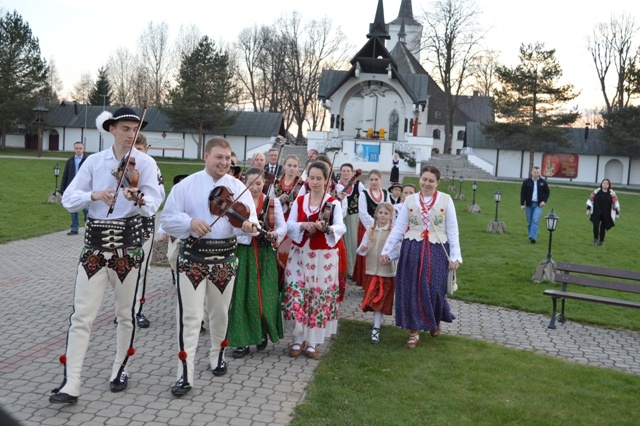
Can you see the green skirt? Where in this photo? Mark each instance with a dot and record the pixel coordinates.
(251, 297)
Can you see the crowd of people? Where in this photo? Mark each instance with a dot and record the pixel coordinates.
(256, 253)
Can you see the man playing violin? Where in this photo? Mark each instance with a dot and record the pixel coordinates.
(207, 261)
(112, 250)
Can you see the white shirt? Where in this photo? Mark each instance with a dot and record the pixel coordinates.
(96, 175)
(363, 212)
(189, 199)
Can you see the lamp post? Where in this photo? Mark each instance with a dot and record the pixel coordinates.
(40, 112)
(496, 226)
(546, 270)
(452, 187)
(552, 222)
(474, 208)
(56, 173)
(460, 195)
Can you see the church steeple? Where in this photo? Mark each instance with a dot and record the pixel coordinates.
(406, 10)
(378, 28)
(401, 34)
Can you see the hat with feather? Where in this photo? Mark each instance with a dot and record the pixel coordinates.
(106, 119)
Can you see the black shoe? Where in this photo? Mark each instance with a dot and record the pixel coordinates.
(72, 232)
(180, 388)
(262, 346)
(240, 352)
(221, 369)
(115, 320)
(63, 398)
(375, 335)
(142, 321)
(533, 240)
(119, 384)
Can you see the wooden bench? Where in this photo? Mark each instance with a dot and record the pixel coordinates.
(595, 277)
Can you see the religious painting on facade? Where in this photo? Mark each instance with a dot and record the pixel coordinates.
(369, 152)
(560, 165)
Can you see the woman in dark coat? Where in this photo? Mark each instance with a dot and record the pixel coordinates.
(604, 209)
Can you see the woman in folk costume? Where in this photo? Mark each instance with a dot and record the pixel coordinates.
(428, 228)
(315, 226)
(286, 187)
(367, 204)
(604, 208)
(336, 190)
(254, 316)
(379, 285)
(351, 219)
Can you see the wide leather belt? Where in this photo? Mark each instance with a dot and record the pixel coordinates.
(113, 234)
(205, 250)
(148, 226)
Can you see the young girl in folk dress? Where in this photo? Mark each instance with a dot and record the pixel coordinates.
(312, 266)
(367, 203)
(380, 279)
(428, 228)
(254, 314)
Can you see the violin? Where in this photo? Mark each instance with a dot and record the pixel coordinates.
(351, 181)
(129, 178)
(293, 194)
(267, 219)
(269, 180)
(326, 215)
(222, 203)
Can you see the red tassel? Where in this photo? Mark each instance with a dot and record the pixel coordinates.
(224, 344)
(63, 359)
(131, 352)
(182, 355)
(142, 300)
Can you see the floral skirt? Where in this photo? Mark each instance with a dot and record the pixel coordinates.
(311, 291)
(421, 286)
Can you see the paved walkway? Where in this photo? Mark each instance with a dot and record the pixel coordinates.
(36, 285)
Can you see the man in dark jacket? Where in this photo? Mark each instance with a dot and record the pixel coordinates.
(533, 196)
(70, 170)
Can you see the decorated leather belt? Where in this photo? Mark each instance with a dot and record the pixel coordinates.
(148, 226)
(113, 234)
(205, 250)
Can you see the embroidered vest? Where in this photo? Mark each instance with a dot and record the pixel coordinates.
(318, 240)
(371, 205)
(377, 238)
(352, 199)
(437, 216)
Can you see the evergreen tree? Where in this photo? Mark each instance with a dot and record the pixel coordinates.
(23, 74)
(622, 130)
(529, 101)
(204, 91)
(101, 92)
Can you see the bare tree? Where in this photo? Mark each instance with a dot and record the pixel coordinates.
(611, 45)
(82, 89)
(250, 50)
(452, 41)
(156, 61)
(122, 68)
(483, 72)
(188, 38)
(55, 82)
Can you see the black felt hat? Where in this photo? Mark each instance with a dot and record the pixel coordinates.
(106, 119)
(395, 185)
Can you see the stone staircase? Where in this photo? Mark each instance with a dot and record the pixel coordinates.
(452, 166)
(299, 151)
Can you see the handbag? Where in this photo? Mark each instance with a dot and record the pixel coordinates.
(452, 284)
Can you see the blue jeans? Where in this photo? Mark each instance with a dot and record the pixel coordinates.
(534, 213)
(74, 219)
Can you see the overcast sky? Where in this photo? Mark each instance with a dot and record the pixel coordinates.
(81, 34)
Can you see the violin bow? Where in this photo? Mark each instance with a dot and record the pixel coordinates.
(126, 165)
(326, 189)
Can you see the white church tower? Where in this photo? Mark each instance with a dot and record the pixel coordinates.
(412, 33)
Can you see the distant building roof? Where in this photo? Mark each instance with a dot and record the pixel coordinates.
(581, 142)
(248, 123)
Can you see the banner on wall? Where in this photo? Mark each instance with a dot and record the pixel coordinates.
(369, 152)
(559, 165)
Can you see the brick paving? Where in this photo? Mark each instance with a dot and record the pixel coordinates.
(263, 388)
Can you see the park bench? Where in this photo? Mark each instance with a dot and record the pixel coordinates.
(595, 277)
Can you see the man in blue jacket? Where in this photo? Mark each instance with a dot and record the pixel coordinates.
(533, 196)
(70, 169)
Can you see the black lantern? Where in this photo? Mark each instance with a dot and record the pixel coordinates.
(56, 173)
(460, 195)
(461, 179)
(552, 223)
(496, 197)
(474, 187)
(40, 112)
